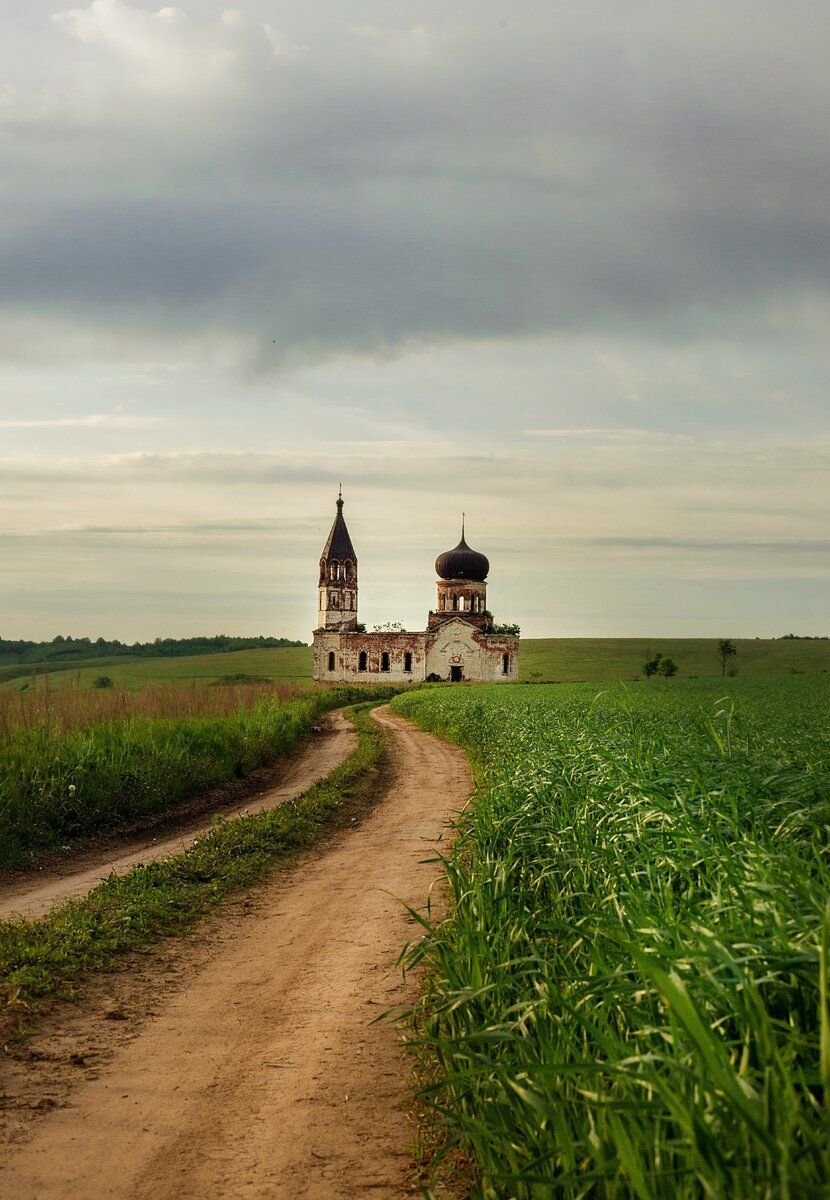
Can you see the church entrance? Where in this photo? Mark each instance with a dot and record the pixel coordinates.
(456, 674)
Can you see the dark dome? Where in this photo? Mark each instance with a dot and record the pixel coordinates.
(462, 563)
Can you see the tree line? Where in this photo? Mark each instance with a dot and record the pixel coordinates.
(63, 647)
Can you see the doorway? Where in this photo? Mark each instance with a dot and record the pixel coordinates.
(456, 674)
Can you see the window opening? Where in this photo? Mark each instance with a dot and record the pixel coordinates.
(384, 661)
(361, 661)
(331, 660)
(407, 660)
(505, 664)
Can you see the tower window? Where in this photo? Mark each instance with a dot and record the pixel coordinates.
(505, 664)
(455, 604)
(407, 660)
(331, 660)
(460, 603)
(384, 661)
(361, 661)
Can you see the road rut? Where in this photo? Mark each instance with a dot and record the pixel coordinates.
(262, 1075)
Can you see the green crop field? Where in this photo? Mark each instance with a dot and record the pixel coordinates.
(629, 997)
(542, 660)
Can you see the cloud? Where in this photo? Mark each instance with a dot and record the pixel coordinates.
(166, 51)
(354, 182)
(93, 421)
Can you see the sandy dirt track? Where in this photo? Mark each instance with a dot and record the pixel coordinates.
(260, 1074)
(34, 894)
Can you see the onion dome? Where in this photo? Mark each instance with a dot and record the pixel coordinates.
(462, 563)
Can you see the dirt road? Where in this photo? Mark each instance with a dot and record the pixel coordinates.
(260, 1074)
(34, 894)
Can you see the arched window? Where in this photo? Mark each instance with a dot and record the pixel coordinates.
(407, 660)
(335, 600)
(460, 603)
(384, 661)
(442, 600)
(455, 604)
(332, 660)
(361, 661)
(333, 571)
(505, 664)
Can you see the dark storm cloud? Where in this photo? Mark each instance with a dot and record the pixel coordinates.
(338, 184)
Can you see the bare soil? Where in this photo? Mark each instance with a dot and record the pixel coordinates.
(245, 1062)
(32, 893)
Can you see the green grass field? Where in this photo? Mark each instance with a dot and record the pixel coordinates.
(629, 998)
(542, 660)
(566, 660)
(287, 665)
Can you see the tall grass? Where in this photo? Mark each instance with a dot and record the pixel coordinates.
(75, 763)
(69, 708)
(629, 998)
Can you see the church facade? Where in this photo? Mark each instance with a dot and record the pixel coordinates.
(459, 643)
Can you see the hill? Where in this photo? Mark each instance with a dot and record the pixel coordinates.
(569, 660)
(542, 660)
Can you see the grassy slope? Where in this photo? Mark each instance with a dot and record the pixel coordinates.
(542, 660)
(290, 664)
(598, 659)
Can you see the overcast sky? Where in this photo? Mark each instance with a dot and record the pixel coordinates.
(561, 265)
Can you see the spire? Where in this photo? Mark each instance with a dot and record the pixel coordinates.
(339, 544)
(463, 516)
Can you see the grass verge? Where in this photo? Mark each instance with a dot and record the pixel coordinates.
(49, 956)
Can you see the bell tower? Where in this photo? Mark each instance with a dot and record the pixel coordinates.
(337, 586)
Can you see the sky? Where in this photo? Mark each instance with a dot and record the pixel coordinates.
(562, 266)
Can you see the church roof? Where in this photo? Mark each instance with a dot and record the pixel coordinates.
(339, 544)
(462, 562)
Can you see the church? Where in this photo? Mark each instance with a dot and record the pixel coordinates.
(459, 643)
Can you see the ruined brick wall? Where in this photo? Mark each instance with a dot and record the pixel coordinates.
(387, 656)
(479, 656)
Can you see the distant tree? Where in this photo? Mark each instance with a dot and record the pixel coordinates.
(668, 667)
(652, 665)
(726, 650)
(389, 627)
(103, 681)
(513, 630)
